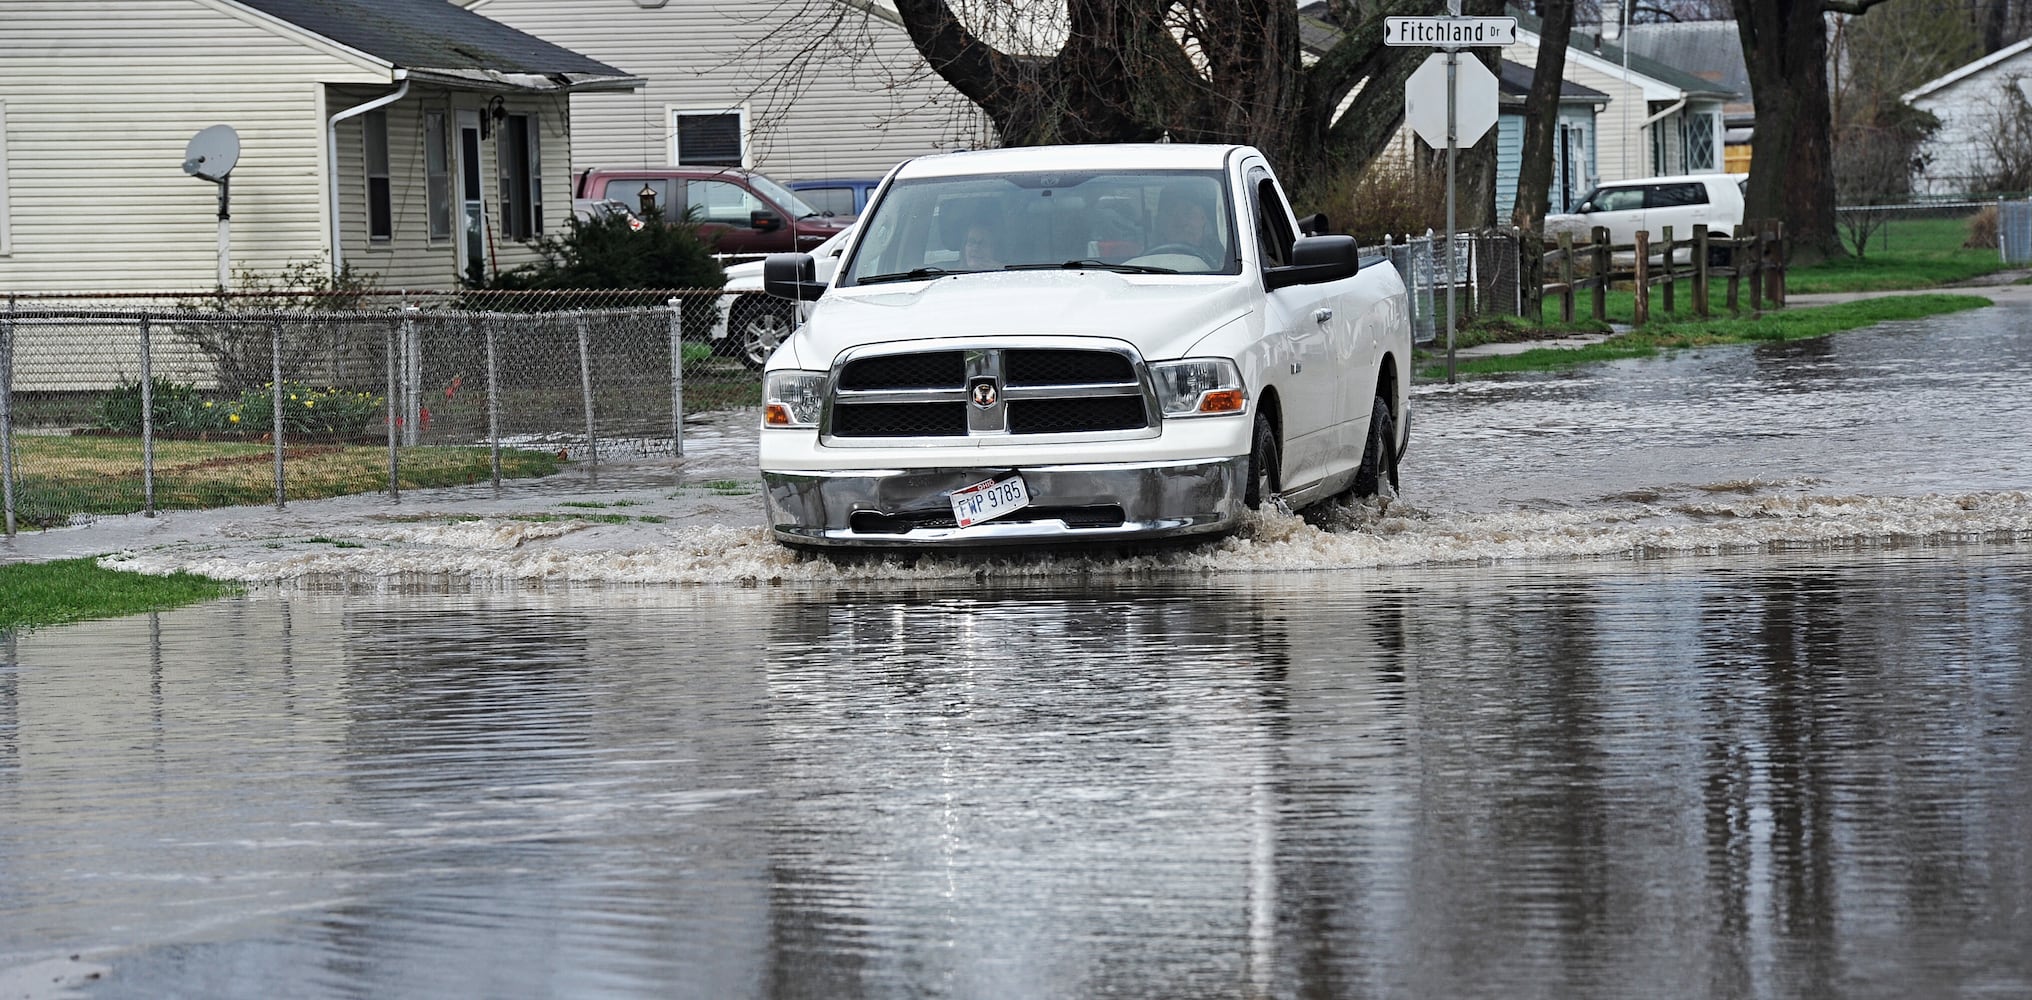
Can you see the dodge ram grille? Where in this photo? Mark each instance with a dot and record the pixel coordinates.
(988, 391)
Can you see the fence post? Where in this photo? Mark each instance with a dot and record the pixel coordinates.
(1566, 277)
(1671, 269)
(1700, 255)
(1640, 281)
(1757, 272)
(1735, 271)
(1775, 290)
(677, 376)
(493, 402)
(1602, 259)
(275, 365)
(586, 389)
(147, 424)
(412, 375)
(7, 414)
(390, 400)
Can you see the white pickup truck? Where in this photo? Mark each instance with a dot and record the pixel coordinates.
(1057, 344)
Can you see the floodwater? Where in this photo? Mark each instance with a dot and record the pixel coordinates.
(1694, 677)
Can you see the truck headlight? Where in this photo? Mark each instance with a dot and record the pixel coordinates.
(792, 398)
(1199, 388)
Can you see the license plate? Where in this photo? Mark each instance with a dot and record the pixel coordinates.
(989, 499)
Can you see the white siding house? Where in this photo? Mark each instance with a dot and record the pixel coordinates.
(1657, 120)
(1573, 139)
(1982, 108)
(795, 90)
(360, 128)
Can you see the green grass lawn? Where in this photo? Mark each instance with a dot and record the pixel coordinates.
(1650, 340)
(59, 476)
(1914, 253)
(73, 590)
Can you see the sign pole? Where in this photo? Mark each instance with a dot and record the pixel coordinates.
(1452, 123)
(1446, 79)
(1452, 145)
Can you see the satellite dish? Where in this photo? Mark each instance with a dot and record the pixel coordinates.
(212, 153)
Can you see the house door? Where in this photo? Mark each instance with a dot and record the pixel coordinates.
(1573, 172)
(472, 201)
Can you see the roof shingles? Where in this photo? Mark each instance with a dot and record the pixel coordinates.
(432, 35)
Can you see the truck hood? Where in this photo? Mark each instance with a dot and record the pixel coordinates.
(1160, 315)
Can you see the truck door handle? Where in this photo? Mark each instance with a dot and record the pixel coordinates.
(1322, 314)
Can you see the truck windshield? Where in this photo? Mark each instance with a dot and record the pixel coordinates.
(1150, 222)
(797, 207)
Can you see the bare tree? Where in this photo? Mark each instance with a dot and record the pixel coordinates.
(1190, 70)
(2007, 139)
(1872, 168)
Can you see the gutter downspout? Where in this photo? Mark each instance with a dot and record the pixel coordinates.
(332, 153)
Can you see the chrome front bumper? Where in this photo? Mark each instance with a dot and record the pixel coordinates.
(908, 508)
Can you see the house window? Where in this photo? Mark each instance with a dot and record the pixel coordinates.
(380, 203)
(437, 169)
(6, 234)
(521, 178)
(1700, 144)
(711, 139)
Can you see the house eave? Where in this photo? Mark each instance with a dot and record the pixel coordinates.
(495, 80)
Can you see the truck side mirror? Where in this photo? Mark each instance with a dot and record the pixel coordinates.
(792, 276)
(1315, 260)
(764, 221)
(1313, 225)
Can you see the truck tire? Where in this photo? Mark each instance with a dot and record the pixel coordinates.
(1379, 458)
(1263, 466)
(755, 325)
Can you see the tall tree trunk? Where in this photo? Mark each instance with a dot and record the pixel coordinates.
(1534, 169)
(1791, 157)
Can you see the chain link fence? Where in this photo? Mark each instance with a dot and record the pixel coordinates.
(130, 404)
(1486, 274)
(116, 404)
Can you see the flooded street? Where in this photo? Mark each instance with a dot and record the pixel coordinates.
(1701, 677)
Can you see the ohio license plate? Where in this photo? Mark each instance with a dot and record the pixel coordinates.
(989, 499)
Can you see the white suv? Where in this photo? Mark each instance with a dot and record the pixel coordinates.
(1652, 203)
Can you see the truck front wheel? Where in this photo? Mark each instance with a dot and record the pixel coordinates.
(1379, 459)
(1263, 471)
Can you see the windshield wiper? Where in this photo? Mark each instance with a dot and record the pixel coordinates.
(914, 274)
(1090, 264)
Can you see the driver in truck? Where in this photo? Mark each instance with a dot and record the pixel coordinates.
(1184, 221)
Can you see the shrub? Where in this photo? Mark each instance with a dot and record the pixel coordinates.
(181, 410)
(242, 352)
(176, 408)
(1982, 229)
(612, 252)
(307, 411)
(1384, 200)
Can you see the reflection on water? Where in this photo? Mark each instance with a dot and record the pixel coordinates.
(1749, 778)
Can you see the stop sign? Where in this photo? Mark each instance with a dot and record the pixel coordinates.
(1474, 97)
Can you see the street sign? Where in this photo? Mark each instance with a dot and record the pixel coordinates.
(1474, 101)
(1450, 32)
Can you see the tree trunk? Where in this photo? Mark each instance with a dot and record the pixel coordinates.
(1791, 157)
(1541, 131)
(1534, 169)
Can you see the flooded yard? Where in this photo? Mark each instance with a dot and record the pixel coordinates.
(1695, 677)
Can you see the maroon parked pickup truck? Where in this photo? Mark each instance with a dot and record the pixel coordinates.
(743, 212)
